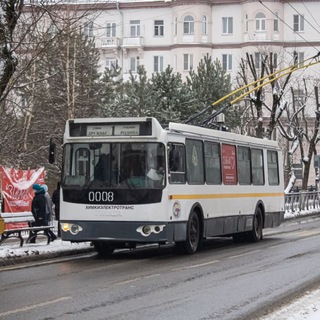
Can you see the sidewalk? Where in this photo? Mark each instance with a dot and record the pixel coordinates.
(11, 253)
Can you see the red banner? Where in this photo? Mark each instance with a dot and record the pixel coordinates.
(17, 192)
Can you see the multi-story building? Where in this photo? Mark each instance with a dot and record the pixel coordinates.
(158, 33)
(180, 33)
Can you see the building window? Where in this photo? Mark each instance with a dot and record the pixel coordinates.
(276, 23)
(227, 62)
(260, 22)
(111, 64)
(134, 63)
(275, 59)
(134, 28)
(187, 62)
(298, 22)
(175, 26)
(158, 28)
(204, 25)
(111, 30)
(298, 58)
(52, 31)
(246, 24)
(158, 63)
(258, 60)
(298, 96)
(88, 29)
(227, 25)
(188, 25)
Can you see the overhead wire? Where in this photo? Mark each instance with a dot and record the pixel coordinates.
(298, 33)
(311, 14)
(272, 77)
(303, 17)
(280, 73)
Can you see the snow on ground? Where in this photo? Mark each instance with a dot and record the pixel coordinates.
(305, 308)
(11, 250)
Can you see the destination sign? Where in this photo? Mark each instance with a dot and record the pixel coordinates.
(108, 129)
(113, 130)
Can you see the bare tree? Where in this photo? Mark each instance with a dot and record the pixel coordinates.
(29, 30)
(302, 131)
(257, 104)
(9, 15)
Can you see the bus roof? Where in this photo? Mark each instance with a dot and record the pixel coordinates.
(154, 129)
(226, 136)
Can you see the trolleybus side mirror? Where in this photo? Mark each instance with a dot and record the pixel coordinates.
(52, 152)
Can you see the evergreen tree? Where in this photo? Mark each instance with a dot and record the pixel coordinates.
(171, 97)
(111, 87)
(137, 97)
(208, 84)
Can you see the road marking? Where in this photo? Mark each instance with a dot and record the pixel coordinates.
(243, 254)
(34, 306)
(196, 265)
(130, 281)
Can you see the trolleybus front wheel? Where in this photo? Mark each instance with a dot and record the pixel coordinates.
(193, 238)
(104, 249)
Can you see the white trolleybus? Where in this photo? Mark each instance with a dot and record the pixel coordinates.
(129, 181)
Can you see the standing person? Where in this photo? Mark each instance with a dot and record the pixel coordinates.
(39, 211)
(56, 201)
(49, 205)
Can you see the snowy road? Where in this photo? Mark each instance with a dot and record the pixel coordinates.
(224, 281)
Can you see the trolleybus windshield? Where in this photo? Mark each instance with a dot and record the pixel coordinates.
(114, 165)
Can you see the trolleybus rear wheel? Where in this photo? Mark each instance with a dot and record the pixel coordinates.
(256, 233)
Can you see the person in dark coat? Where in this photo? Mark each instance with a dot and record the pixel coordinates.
(39, 211)
(102, 168)
(56, 201)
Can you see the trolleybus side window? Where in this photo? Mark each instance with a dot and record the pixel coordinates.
(244, 165)
(257, 167)
(177, 160)
(195, 161)
(229, 165)
(273, 167)
(212, 162)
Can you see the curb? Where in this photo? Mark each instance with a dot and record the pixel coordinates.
(35, 255)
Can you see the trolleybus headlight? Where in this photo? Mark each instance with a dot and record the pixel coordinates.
(73, 228)
(65, 227)
(148, 229)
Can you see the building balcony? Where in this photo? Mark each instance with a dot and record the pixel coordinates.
(132, 43)
(108, 43)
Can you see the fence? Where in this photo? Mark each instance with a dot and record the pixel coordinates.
(304, 201)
